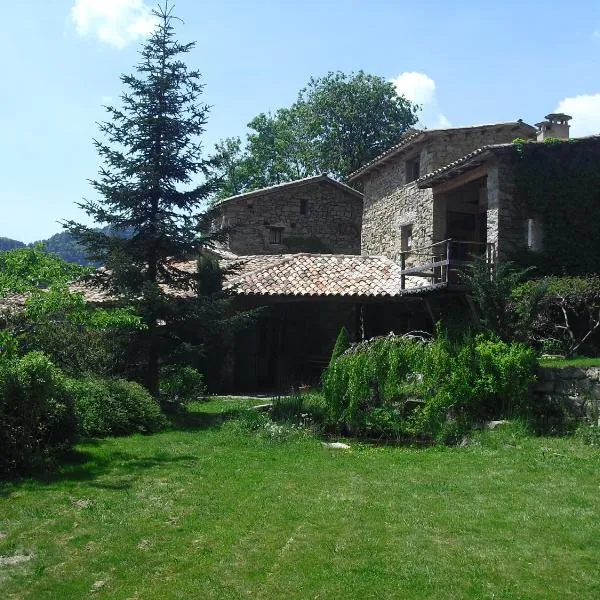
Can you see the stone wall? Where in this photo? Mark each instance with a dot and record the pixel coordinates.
(331, 223)
(576, 389)
(506, 224)
(390, 203)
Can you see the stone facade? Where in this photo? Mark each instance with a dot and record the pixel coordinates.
(391, 203)
(574, 389)
(313, 215)
(506, 216)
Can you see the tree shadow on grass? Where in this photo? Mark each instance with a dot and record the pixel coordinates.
(113, 470)
(196, 421)
(84, 464)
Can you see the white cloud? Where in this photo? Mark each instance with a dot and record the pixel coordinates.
(585, 110)
(115, 22)
(420, 89)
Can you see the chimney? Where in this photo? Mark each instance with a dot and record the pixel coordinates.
(556, 125)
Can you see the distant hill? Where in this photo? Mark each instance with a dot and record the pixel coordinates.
(62, 244)
(8, 244)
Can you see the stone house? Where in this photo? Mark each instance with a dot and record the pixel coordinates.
(517, 220)
(315, 214)
(400, 215)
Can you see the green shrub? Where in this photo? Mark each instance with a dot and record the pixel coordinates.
(397, 386)
(114, 407)
(180, 385)
(342, 343)
(37, 420)
(287, 408)
(567, 318)
(314, 406)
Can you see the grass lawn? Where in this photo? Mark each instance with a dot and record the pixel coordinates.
(559, 363)
(213, 512)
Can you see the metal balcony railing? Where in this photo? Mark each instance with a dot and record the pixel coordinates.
(441, 262)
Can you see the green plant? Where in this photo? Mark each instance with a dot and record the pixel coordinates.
(558, 182)
(37, 420)
(287, 408)
(431, 390)
(342, 343)
(491, 288)
(8, 345)
(114, 407)
(180, 385)
(568, 317)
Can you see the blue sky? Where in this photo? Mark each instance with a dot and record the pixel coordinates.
(467, 62)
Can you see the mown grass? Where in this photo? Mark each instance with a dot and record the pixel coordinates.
(213, 512)
(559, 363)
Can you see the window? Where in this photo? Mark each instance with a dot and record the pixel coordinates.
(534, 235)
(406, 237)
(412, 169)
(303, 206)
(274, 235)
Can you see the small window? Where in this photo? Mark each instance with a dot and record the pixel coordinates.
(534, 235)
(303, 206)
(406, 235)
(274, 235)
(413, 169)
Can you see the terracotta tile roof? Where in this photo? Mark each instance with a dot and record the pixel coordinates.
(287, 275)
(292, 184)
(413, 136)
(321, 275)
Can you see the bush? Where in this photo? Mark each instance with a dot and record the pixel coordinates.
(567, 320)
(287, 408)
(180, 385)
(114, 407)
(398, 386)
(37, 420)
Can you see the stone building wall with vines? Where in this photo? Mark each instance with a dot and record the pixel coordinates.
(558, 184)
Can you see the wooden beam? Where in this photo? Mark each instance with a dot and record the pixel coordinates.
(462, 179)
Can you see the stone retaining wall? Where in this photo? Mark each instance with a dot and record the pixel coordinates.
(577, 389)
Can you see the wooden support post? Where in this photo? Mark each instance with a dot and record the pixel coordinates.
(430, 312)
(402, 267)
(362, 322)
(448, 256)
(471, 304)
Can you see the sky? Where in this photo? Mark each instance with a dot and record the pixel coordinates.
(465, 62)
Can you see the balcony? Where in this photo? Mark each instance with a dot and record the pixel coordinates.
(442, 262)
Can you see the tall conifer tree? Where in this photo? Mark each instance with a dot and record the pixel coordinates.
(152, 163)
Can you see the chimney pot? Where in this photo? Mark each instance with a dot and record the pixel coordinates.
(556, 125)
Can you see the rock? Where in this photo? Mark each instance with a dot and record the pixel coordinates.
(494, 424)
(335, 445)
(544, 387)
(263, 407)
(14, 560)
(97, 585)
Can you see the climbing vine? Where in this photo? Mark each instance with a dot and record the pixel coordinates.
(560, 183)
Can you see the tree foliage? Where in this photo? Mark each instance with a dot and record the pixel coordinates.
(338, 123)
(567, 320)
(153, 182)
(26, 269)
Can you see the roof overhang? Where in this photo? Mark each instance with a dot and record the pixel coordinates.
(288, 185)
(416, 137)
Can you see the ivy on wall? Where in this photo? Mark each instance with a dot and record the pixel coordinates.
(559, 181)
